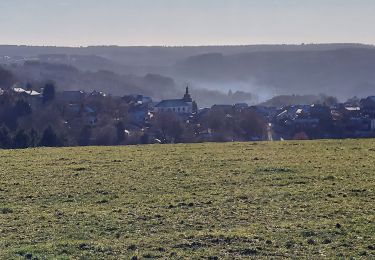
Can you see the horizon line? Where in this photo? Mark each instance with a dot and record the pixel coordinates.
(189, 46)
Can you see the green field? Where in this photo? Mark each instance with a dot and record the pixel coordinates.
(311, 199)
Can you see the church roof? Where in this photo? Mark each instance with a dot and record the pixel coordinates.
(173, 103)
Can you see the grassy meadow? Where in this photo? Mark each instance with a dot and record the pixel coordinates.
(312, 199)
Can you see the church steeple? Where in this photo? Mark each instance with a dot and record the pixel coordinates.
(187, 97)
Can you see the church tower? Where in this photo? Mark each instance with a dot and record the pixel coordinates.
(187, 97)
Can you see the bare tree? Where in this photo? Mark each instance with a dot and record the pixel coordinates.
(169, 126)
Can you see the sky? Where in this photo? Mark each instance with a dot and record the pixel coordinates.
(185, 22)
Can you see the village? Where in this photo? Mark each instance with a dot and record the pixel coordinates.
(78, 118)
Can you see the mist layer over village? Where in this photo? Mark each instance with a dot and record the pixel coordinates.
(262, 71)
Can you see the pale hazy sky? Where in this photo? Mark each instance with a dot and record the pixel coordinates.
(185, 22)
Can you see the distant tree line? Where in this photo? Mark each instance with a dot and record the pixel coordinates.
(50, 125)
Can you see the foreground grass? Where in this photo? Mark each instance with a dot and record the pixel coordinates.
(290, 199)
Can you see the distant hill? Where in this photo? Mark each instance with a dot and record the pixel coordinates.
(68, 77)
(161, 56)
(342, 70)
(6, 78)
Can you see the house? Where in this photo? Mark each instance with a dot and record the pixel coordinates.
(85, 114)
(320, 111)
(179, 106)
(266, 112)
(240, 106)
(225, 108)
(73, 96)
(138, 115)
(97, 94)
(24, 92)
(291, 113)
(202, 112)
(146, 100)
(34, 98)
(140, 99)
(346, 112)
(78, 109)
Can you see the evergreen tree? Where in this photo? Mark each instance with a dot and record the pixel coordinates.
(5, 138)
(29, 87)
(6, 78)
(22, 108)
(49, 93)
(34, 138)
(21, 140)
(194, 107)
(49, 138)
(144, 139)
(85, 136)
(120, 131)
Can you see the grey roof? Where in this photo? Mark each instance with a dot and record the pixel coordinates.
(222, 106)
(73, 95)
(241, 105)
(173, 103)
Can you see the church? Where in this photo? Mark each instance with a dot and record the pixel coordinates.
(179, 106)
